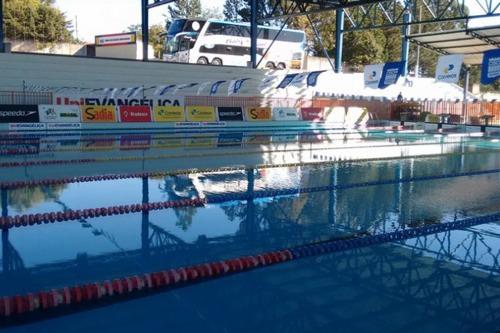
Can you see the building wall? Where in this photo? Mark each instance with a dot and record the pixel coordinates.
(63, 71)
(59, 48)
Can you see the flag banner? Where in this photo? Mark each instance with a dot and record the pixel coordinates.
(299, 79)
(312, 78)
(490, 70)
(164, 89)
(184, 86)
(215, 87)
(267, 82)
(287, 80)
(391, 73)
(448, 68)
(202, 87)
(373, 73)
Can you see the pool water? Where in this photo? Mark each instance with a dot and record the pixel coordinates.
(264, 191)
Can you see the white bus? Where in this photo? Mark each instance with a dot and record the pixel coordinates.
(227, 43)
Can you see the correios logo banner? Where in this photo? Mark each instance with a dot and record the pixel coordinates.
(373, 74)
(230, 113)
(448, 68)
(98, 114)
(135, 114)
(94, 100)
(169, 114)
(59, 113)
(258, 114)
(201, 113)
(283, 113)
(490, 71)
(19, 113)
(312, 114)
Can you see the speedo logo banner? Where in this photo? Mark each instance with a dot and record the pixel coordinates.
(448, 68)
(166, 100)
(19, 113)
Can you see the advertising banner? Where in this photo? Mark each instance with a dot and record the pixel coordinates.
(373, 73)
(285, 114)
(63, 126)
(116, 39)
(230, 113)
(230, 140)
(135, 114)
(391, 73)
(201, 113)
(98, 114)
(19, 113)
(105, 100)
(448, 68)
(258, 114)
(490, 70)
(312, 114)
(169, 114)
(131, 142)
(59, 113)
(27, 126)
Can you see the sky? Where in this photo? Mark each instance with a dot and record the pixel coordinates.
(100, 17)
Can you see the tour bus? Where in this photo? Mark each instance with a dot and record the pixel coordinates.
(227, 43)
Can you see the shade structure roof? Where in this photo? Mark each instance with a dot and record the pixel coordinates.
(470, 42)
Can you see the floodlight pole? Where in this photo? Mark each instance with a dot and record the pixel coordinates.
(405, 47)
(253, 33)
(145, 29)
(2, 48)
(339, 38)
(466, 90)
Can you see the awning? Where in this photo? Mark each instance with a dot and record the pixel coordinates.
(470, 42)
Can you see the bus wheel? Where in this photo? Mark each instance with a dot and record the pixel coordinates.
(281, 65)
(202, 61)
(270, 65)
(217, 62)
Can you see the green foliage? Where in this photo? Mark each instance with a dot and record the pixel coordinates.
(185, 9)
(156, 37)
(36, 20)
(232, 8)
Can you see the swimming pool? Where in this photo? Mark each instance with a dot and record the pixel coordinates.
(150, 202)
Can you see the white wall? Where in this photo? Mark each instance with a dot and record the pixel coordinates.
(61, 71)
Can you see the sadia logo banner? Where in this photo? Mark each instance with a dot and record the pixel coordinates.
(373, 74)
(391, 73)
(448, 68)
(490, 70)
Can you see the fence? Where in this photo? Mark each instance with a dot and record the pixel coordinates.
(21, 97)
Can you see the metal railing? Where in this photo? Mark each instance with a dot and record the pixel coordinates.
(22, 97)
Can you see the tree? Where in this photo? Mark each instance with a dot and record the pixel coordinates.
(184, 9)
(232, 8)
(36, 20)
(156, 37)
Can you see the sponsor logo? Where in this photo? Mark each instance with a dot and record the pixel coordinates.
(201, 113)
(136, 113)
(98, 114)
(64, 126)
(230, 113)
(169, 113)
(258, 114)
(312, 114)
(19, 114)
(27, 126)
(107, 101)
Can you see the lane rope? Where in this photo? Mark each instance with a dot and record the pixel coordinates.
(8, 222)
(13, 164)
(121, 289)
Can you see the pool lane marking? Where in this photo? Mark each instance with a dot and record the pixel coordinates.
(84, 179)
(8, 222)
(38, 305)
(245, 152)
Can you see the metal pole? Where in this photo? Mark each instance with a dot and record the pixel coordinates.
(253, 33)
(145, 217)
(405, 47)
(145, 30)
(466, 89)
(2, 49)
(339, 38)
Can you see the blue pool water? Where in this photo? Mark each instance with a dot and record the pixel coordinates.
(445, 282)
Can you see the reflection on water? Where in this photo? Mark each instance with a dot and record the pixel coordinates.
(399, 277)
